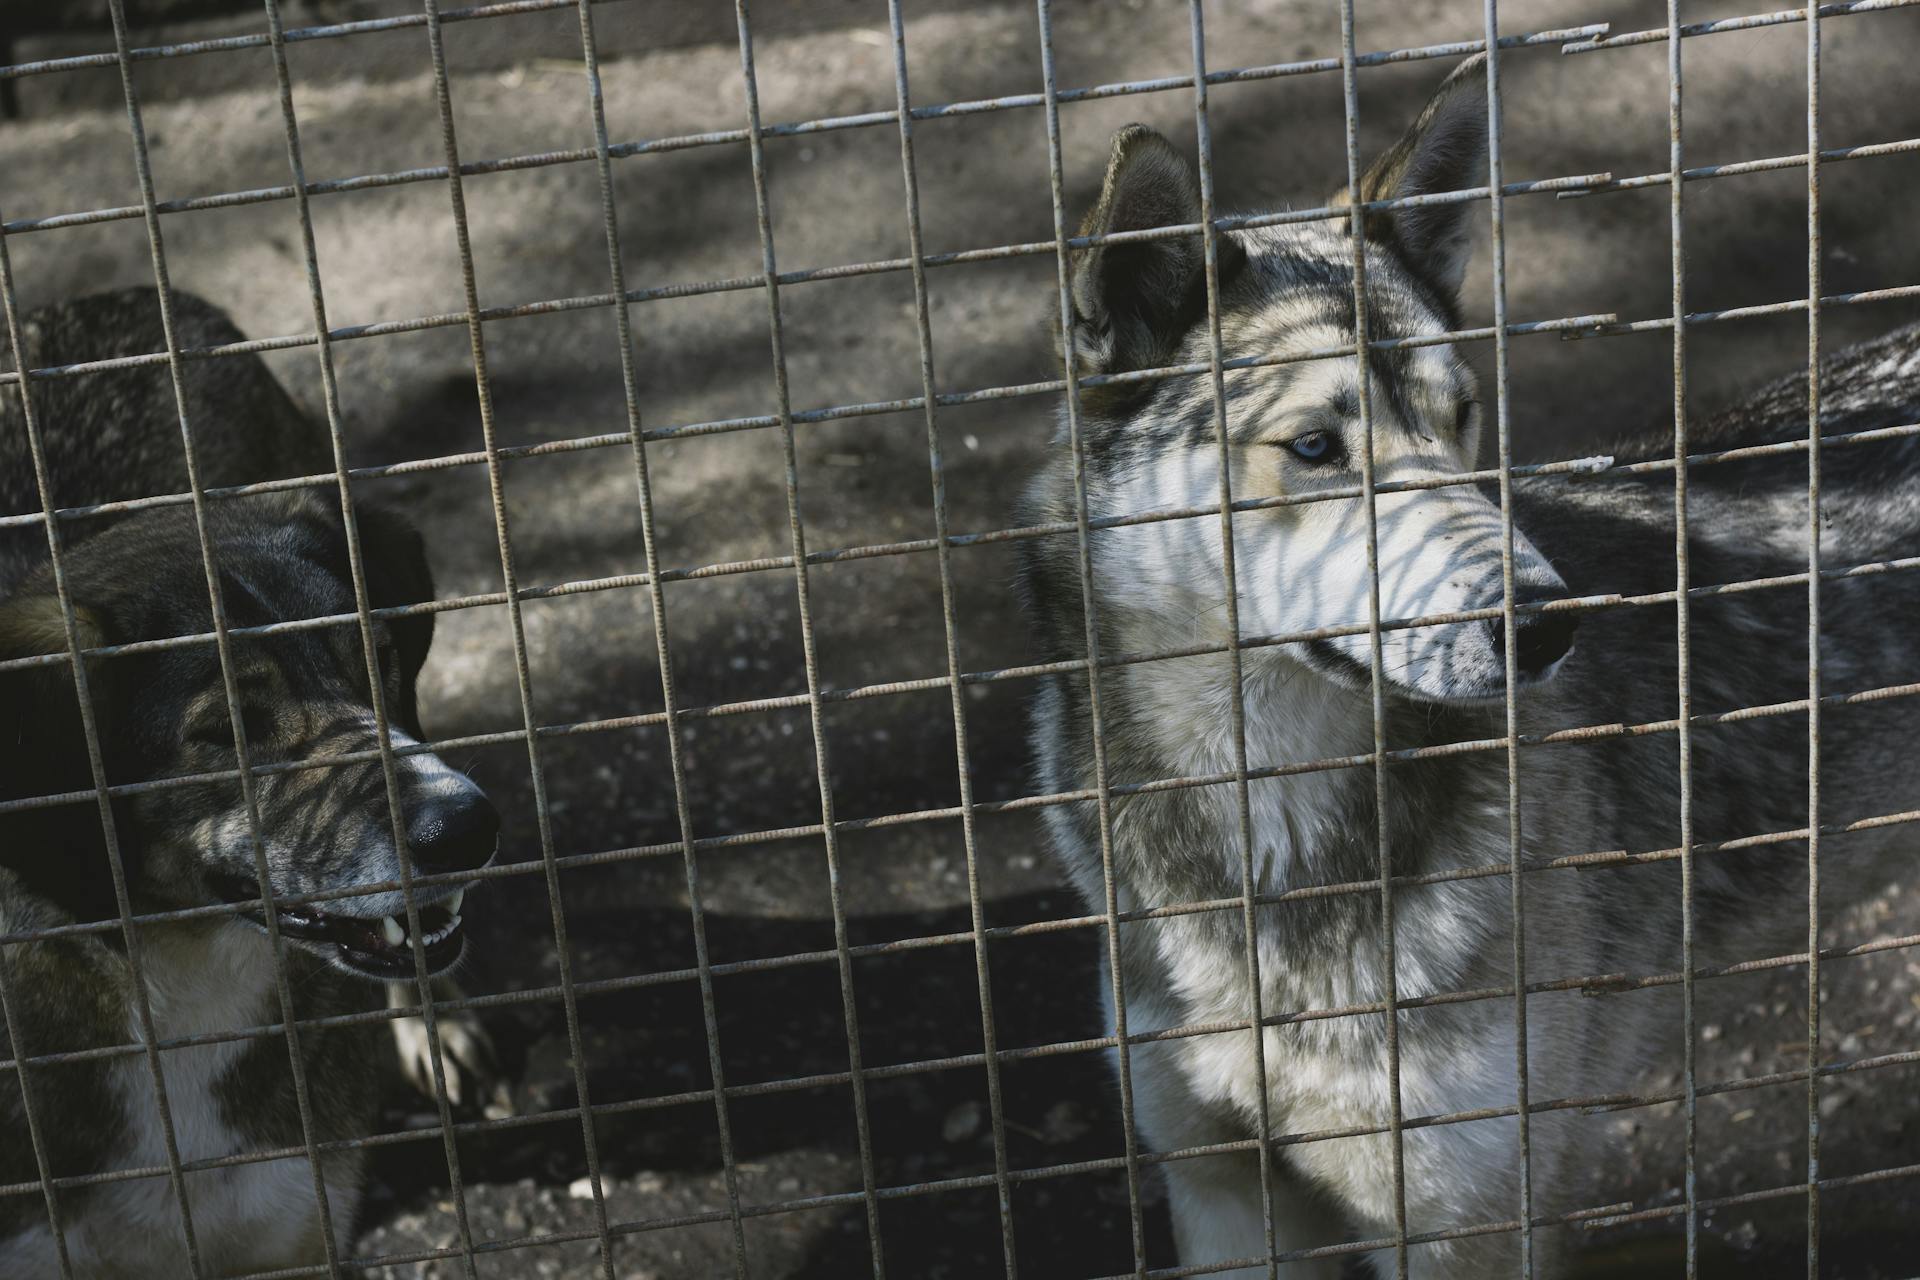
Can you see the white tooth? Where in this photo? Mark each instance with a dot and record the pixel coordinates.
(395, 932)
(453, 902)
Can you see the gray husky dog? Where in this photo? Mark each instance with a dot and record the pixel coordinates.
(163, 714)
(1293, 429)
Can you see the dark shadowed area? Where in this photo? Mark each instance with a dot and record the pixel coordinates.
(686, 216)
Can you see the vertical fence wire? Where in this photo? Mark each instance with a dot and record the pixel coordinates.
(796, 533)
(496, 487)
(936, 469)
(356, 568)
(70, 628)
(1683, 626)
(249, 786)
(1362, 338)
(497, 495)
(56, 1224)
(1103, 790)
(1503, 424)
(663, 648)
(230, 685)
(1813, 641)
(72, 615)
(1237, 709)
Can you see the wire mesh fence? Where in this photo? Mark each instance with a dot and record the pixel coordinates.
(862, 805)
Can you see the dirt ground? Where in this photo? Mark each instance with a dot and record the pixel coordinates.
(387, 253)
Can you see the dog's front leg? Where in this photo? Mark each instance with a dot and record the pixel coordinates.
(472, 1069)
(1215, 1201)
(1216, 1205)
(1464, 1176)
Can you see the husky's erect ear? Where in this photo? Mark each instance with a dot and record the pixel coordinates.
(42, 743)
(54, 851)
(1133, 302)
(1445, 150)
(32, 624)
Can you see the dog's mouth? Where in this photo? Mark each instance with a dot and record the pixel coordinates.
(376, 947)
(1330, 661)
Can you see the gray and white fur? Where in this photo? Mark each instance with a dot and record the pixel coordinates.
(1295, 428)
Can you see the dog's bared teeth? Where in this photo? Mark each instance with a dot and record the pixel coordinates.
(394, 932)
(453, 902)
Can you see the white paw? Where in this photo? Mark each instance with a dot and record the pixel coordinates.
(467, 1058)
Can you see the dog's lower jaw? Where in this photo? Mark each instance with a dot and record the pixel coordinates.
(1330, 662)
(373, 947)
(1491, 692)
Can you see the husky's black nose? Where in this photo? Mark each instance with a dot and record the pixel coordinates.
(453, 833)
(1544, 638)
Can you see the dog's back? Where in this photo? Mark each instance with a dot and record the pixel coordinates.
(1747, 551)
(115, 434)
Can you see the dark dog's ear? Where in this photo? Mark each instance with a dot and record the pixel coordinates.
(1133, 302)
(397, 574)
(42, 741)
(54, 851)
(1445, 150)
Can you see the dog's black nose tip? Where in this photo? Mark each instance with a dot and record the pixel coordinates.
(1543, 639)
(453, 833)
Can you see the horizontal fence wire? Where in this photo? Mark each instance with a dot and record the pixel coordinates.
(1590, 983)
(1597, 1216)
(1590, 37)
(1571, 41)
(1576, 39)
(1608, 985)
(1574, 605)
(1585, 733)
(1580, 467)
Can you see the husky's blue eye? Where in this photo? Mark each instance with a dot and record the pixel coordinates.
(1315, 446)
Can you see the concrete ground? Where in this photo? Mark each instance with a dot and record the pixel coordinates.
(388, 253)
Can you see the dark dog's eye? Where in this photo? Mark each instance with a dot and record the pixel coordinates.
(1463, 414)
(1315, 446)
(257, 724)
(216, 729)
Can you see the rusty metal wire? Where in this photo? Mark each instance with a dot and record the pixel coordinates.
(1083, 546)
(1376, 675)
(1134, 1159)
(663, 652)
(1510, 647)
(1683, 628)
(830, 835)
(229, 684)
(1814, 706)
(989, 1034)
(1574, 604)
(1237, 707)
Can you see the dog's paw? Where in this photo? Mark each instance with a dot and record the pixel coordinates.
(467, 1058)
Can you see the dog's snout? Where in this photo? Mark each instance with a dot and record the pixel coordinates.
(453, 833)
(1541, 639)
